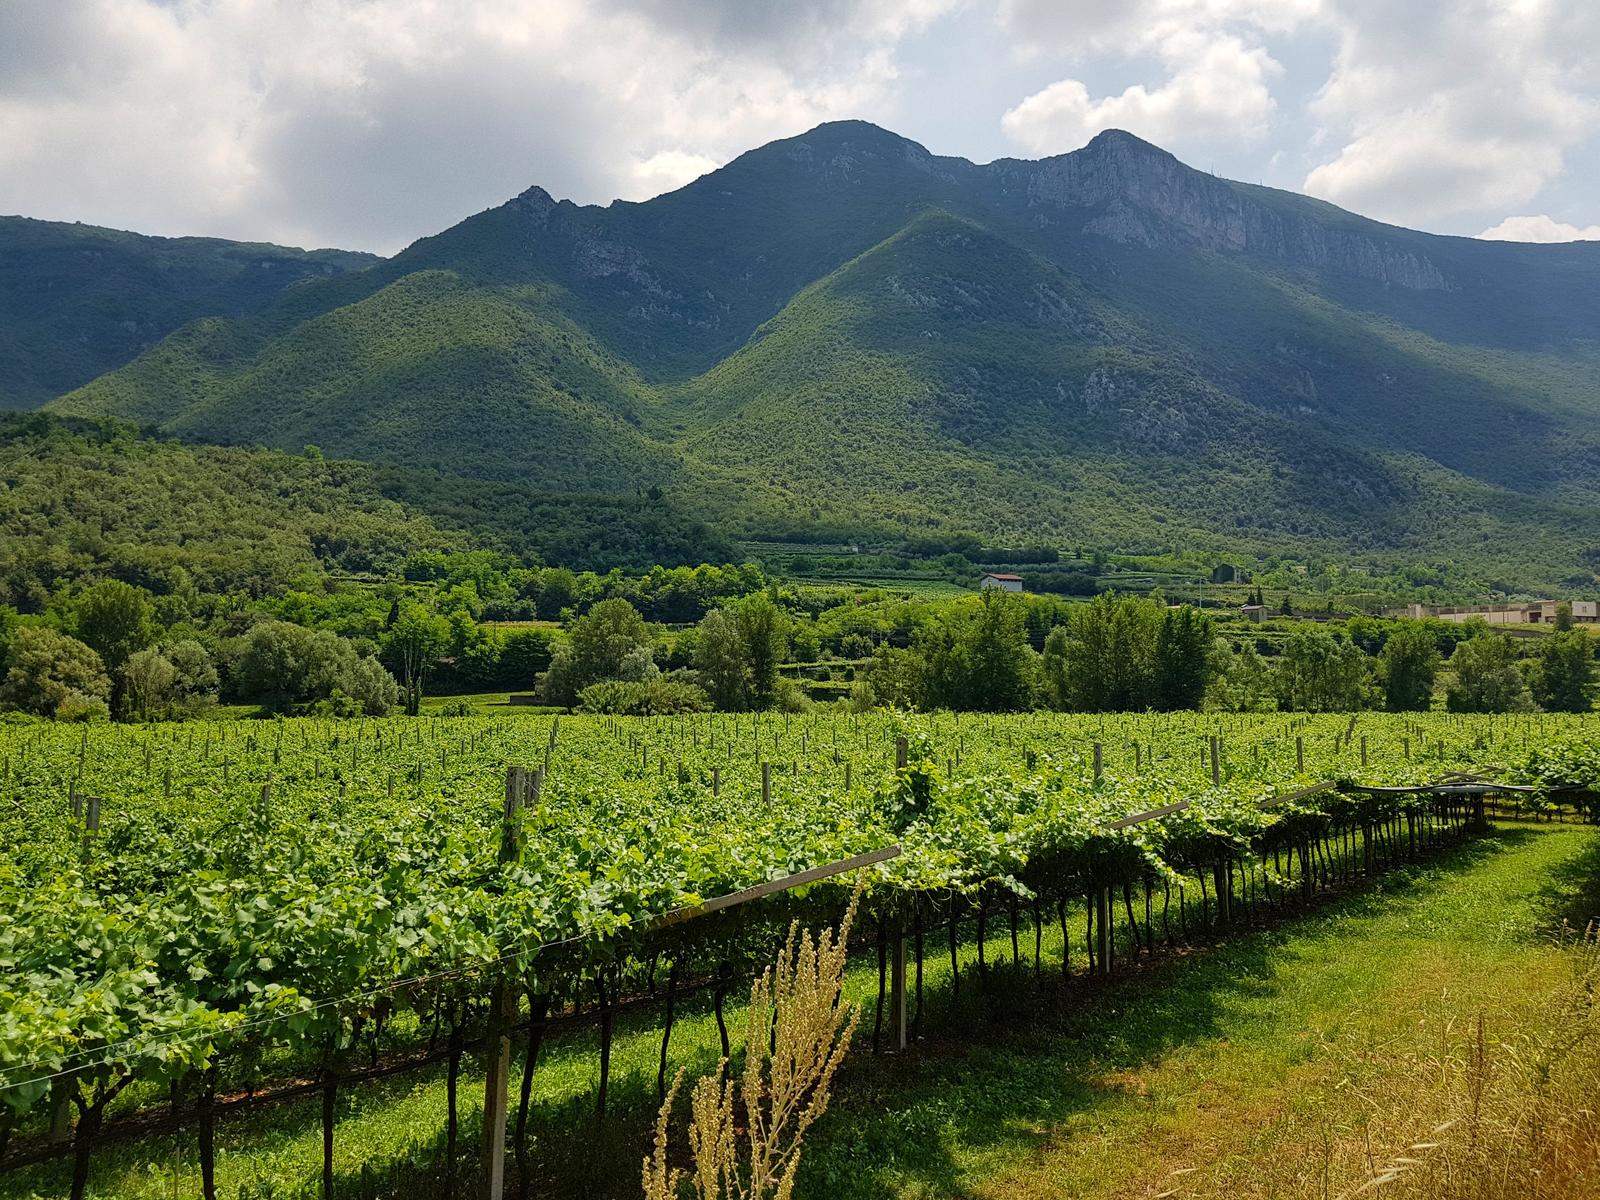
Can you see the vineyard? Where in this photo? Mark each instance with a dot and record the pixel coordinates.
(200, 910)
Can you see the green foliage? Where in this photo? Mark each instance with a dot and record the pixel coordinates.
(416, 638)
(1241, 680)
(49, 673)
(371, 689)
(1407, 666)
(737, 650)
(524, 653)
(283, 666)
(1320, 672)
(1183, 663)
(246, 930)
(149, 684)
(610, 641)
(1126, 654)
(1484, 677)
(979, 658)
(658, 696)
(114, 619)
(1564, 681)
(89, 503)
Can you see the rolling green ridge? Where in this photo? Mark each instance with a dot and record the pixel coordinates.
(842, 337)
(82, 501)
(77, 300)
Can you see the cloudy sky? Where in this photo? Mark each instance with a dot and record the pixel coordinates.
(367, 123)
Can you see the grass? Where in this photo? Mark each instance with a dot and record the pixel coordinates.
(1215, 1062)
(486, 703)
(1244, 1071)
(914, 587)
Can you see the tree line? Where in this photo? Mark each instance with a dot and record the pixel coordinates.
(114, 649)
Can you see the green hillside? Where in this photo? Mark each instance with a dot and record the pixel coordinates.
(77, 301)
(82, 501)
(841, 337)
(428, 371)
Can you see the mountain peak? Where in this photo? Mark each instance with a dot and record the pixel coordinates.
(853, 129)
(1120, 141)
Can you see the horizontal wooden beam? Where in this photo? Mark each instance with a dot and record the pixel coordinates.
(1316, 789)
(773, 886)
(1166, 810)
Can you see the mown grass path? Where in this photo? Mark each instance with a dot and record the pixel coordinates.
(1238, 1071)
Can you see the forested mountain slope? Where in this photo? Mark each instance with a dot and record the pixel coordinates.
(83, 501)
(841, 333)
(77, 300)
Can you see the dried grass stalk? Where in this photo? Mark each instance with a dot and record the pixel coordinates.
(797, 1031)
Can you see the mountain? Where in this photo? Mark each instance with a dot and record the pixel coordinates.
(77, 301)
(841, 335)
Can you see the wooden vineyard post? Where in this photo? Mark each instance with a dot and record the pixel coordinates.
(1300, 755)
(91, 825)
(1099, 761)
(1102, 928)
(901, 748)
(1222, 876)
(550, 746)
(897, 987)
(520, 785)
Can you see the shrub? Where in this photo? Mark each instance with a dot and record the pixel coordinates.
(81, 708)
(46, 669)
(658, 696)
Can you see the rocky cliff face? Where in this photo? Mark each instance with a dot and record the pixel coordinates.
(1143, 196)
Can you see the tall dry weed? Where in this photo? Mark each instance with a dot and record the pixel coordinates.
(797, 1031)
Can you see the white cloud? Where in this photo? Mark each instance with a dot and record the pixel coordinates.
(670, 170)
(1450, 109)
(1540, 228)
(1128, 26)
(1218, 87)
(1217, 75)
(366, 123)
(1425, 112)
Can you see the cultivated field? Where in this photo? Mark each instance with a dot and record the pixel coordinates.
(265, 953)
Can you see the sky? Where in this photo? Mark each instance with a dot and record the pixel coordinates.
(365, 124)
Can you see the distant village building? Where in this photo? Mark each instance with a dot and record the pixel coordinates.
(1253, 612)
(1521, 612)
(1002, 583)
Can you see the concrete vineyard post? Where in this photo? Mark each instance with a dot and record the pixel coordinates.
(520, 785)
